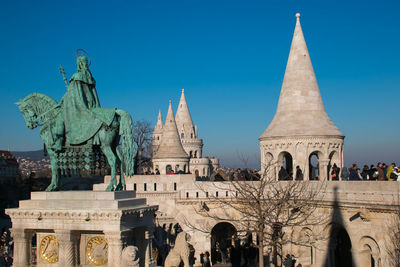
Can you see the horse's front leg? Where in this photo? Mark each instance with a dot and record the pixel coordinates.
(112, 160)
(55, 172)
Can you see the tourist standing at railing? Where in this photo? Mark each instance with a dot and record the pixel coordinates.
(335, 172)
(345, 174)
(381, 174)
(396, 172)
(372, 173)
(365, 173)
(354, 173)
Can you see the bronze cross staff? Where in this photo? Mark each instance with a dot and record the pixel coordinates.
(63, 74)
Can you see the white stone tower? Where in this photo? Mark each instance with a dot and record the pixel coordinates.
(170, 153)
(157, 133)
(187, 131)
(301, 128)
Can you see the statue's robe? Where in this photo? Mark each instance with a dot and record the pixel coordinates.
(82, 114)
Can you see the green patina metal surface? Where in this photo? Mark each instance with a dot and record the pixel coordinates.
(77, 131)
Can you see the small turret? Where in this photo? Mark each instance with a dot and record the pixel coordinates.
(184, 120)
(157, 133)
(300, 109)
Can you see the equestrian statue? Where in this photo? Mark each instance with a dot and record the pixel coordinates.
(77, 129)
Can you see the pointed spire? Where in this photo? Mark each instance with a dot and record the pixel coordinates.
(170, 146)
(183, 119)
(159, 126)
(300, 109)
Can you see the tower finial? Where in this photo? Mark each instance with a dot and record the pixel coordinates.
(183, 90)
(298, 16)
(170, 102)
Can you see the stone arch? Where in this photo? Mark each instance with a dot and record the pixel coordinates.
(314, 168)
(369, 252)
(285, 164)
(222, 237)
(168, 168)
(334, 158)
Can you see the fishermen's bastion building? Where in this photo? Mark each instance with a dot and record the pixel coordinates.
(176, 144)
(359, 213)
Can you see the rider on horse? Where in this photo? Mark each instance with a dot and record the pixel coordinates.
(82, 116)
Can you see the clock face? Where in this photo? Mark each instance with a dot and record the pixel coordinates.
(49, 249)
(97, 250)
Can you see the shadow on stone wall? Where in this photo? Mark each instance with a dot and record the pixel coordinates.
(339, 245)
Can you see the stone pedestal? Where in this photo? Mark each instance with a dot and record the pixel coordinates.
(79, 228)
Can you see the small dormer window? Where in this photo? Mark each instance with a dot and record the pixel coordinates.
(182, 135)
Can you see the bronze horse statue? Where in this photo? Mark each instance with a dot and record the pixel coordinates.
(42, 110)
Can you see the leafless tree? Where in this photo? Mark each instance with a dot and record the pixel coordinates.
(142, 132)
(267, 207)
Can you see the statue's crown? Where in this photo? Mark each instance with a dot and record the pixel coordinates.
(80, 54)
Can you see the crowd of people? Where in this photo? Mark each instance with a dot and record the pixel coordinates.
(380, 172)
(6, 249)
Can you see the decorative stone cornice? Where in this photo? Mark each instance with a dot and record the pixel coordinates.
(313, 142)
(84, 216)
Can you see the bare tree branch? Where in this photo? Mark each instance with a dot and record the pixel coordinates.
(267, 207)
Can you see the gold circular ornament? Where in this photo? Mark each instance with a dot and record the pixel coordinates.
(97, 250)
(49, 249)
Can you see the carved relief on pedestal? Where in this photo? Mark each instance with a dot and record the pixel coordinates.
(48, 248)
(130, 257)
(96, 250)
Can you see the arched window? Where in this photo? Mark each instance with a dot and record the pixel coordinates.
(286, 163)
(191, 135)
(191, 154)
(182, 135)
(195, 154)
(315, 171)
(168, 169)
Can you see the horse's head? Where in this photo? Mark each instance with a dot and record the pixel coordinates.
(31, 119)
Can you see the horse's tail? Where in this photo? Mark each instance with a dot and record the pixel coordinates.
(125, 131)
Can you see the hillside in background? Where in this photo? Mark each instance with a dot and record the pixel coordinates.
(32, 155)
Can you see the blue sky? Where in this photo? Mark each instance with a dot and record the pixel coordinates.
(230, 57)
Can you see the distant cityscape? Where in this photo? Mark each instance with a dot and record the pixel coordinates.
(28, 165)
(14, 164)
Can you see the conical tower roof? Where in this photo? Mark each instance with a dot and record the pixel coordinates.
(159, 126)
(300, 109)
(170, 146)
(183, 118)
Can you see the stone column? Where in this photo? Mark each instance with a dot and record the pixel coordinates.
(67, 248)
(115, 243)
(21, 247)
(148, 236)
(323, 169)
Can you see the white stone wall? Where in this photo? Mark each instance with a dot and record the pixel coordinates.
(363, 209)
